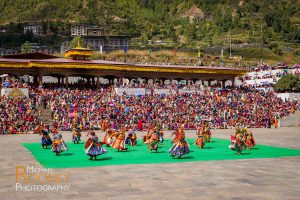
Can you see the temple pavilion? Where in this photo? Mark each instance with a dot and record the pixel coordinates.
(77, 62)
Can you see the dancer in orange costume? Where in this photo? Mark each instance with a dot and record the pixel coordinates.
(206, 132)
(104, 125)
(148, 135)
(76, 137)
(200, 140)
(250, 142)
(153, 140)
(180, 146)
(108, 137)
(119, 142)
(177, 134)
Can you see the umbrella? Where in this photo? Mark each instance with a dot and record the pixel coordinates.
(73, 115)
(6, 84)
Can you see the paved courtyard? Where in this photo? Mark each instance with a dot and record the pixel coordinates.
(276, 178)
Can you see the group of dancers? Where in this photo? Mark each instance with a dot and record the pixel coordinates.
(117, 139)
(93, 146)
(242, 139)
(203, 135)
(58, 144)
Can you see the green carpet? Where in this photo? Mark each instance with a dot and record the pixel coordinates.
(216, 150)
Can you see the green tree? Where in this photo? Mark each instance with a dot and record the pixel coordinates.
(26, 47)
(289, 83)
(75, 42)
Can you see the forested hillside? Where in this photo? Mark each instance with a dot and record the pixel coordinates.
(190, 23)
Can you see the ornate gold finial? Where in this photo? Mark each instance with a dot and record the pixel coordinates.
(78, 46)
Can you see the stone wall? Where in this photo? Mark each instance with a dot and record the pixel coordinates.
(290, 121)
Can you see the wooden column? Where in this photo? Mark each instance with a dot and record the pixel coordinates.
(35, 80)
(223, 83)
(98, 82)
(93, 82)
(40, 81)
(58, 80)
(67, 81)
(209, 82)
(233, 81)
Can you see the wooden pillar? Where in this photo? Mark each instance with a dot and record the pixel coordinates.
(40, 81)
(233, 81)
(93, 82)
(129, 79)
(98, 82)
(209, 83)
(163, 81)
(223, 83)
(67, 81)
(58, 80)
(35, 80)
(146, 80)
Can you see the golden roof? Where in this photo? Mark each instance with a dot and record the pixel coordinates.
(79, 53)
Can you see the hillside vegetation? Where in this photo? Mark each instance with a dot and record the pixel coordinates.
(181, 24)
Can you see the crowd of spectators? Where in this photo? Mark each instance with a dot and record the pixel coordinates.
(13, 83)
(89, 108)
(223, 108)
(18, 115)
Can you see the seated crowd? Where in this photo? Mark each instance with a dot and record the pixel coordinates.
(90, 108)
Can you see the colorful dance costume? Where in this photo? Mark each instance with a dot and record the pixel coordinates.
(94, 147)
(131, 138)
(200, 140)
(104, 125)
(58, 145)
(177, 137)
(180, 146)
(38, 129)
(161, 136)
(147, 136)
(108, 137)
(237, 143)
(250, 142)
(89, 140)
(206, 133)
(119, 142)
(76, 137)
(153, 141)
(46, 140)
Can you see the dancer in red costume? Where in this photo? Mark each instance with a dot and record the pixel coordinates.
(94, 147)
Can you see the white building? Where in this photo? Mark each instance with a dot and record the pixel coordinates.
(79, 30)
(4, 52)
(34, 28)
